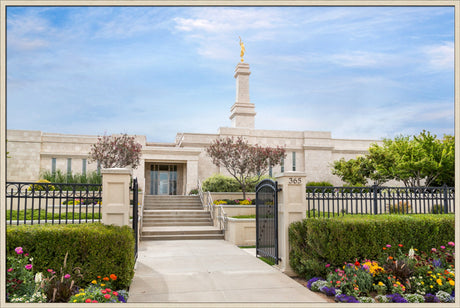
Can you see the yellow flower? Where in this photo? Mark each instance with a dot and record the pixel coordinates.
(452, 283)
(94, 282)
(74, 300)
(439, 281)
(422, 282)
(431, 287)
(429, 272)
(381, 283)
(77, 295)
(102, 284)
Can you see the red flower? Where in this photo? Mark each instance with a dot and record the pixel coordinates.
(357, 263)
(107, 296)
(108, 290)
(116, 293)
(400, 245)
(103, 291)
(88, 300)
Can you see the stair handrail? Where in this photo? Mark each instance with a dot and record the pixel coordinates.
(208, 204)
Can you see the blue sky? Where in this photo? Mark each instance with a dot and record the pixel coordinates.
(358, 72)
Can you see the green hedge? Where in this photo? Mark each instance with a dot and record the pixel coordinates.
(96, 248)
(316, 242)
(222, 183)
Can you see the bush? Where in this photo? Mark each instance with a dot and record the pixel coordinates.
(399, 208)
(316, 242)
(221, 183)
(95, 248)
(319, 184)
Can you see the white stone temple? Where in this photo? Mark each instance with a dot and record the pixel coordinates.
(175, 168)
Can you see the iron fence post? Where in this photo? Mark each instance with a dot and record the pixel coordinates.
(374, 188)
(446, 202)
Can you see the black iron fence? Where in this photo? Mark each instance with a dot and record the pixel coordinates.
(332, 201)
(55, 203)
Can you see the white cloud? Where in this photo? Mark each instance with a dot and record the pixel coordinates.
(440, 57)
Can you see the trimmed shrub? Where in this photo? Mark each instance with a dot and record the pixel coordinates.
(222, 183)
(96, 248)
(316, 242)
(318, 184)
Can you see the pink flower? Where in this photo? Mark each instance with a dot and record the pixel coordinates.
(28, 266)
(50, 270)
(115, 293)
(94, 301)
(433, 249)
(388, 246)
(18, 250)
(107, 296)
(66, 276)
(103, 291)
(451, 244)
(26, 254)
(328, 265)
(443, 247)
(10, 270)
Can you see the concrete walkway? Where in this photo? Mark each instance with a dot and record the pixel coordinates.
(213, 271)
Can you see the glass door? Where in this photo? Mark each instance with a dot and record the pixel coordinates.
(163, 179)
(164, 183)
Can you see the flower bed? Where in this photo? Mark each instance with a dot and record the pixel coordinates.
(24, 285)
(397, 277)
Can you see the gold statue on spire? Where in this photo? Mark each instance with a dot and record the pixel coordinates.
(242, 49)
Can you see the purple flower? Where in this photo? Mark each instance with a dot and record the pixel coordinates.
(343, 298)
(437, 263)
(28, 266)
(328, 291)
(313, 280)
(66, 276)
(19, 250)
(10, 270)
(396, 298)
(431, 298)
(121, 298)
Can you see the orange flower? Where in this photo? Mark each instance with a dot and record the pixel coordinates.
(390, 257)
(113, 277)
(105, 278)
(384, 248)
(99, 277)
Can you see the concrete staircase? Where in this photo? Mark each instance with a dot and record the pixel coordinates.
(176, 218)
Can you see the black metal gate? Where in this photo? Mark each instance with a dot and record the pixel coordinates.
(267, 220)
(135, 216)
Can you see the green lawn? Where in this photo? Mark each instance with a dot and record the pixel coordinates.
(35, 215)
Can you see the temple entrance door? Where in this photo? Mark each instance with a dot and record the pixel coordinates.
(164, 183)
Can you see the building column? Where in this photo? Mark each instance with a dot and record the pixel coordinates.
(115, 196)
(292, 207)
(192, 176)
(243, 111)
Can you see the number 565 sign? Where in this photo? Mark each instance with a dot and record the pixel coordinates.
(295, 181)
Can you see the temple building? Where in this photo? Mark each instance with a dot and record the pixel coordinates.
(175, 168)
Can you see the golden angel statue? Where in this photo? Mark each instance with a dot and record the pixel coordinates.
(242, 50)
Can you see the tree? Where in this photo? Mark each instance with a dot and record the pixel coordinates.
(116, 151)
(246, 163)
(415, 161)
(351, 171)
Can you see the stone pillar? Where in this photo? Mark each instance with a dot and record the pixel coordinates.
(292, 207)
(115, 196)
(243, 111)
(192, 176)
